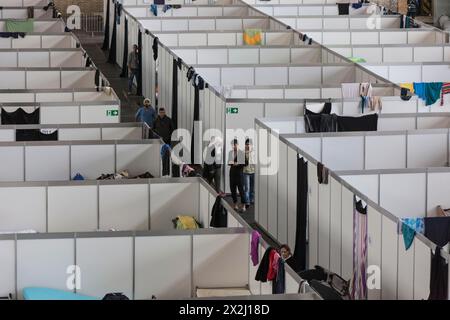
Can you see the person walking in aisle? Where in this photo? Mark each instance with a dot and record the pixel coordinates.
(236, 161)
(146, 114)
(212, 168)
(249, 174)
(133, 67)
(163, 126)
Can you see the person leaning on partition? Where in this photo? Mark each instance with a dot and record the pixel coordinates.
(133, 67)
(236, 161)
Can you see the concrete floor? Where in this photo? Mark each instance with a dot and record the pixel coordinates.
(93, 46)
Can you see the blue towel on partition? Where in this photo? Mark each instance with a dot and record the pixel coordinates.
(429, 92)
(411, 226)
(154, 9)
(36, 293)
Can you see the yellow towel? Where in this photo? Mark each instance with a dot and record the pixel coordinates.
(252, 37)
(187, 222)
(409, 86)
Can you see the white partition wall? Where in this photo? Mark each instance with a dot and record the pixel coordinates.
(130, 257)
(42, 161)
(330, 206)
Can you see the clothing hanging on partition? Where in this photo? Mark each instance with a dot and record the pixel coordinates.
(165, 156)
(438, 276)
(301, 214)
(139, 76)
(343, 8)
(219, 215)
(437, 229)
(363, 123)
(444, 91)
(430, 92)
(198, 84)
(279, 284)
(105, 45)
(263, 269)
(155, 48)
(176, 65)
(254, 251)
(365, 92)
(14, 35)
(320, 123)
(30, 12)
(14, 25)
(322, 173)
(324, 108)
(359, 284)
(20, 116)
(124, 73)
(112, 49)
(36, 135)
(411, 226)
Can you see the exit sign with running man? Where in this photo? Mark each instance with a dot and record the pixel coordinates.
(233, 110)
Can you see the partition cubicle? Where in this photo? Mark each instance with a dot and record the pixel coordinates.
(47, 78)
(20, 12)
(57, 95)
(330, 206)
(40, 25)
(127, 253)
(62, 160)
(70, 112)
(40, 40)
(427, 189)
(42, 58)
(23, 3)
(324, 92)
(70, 132)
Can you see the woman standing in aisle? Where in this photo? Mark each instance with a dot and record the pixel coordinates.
(236, 161)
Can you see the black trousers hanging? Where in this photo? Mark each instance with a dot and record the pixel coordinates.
(105, 45)
(302, 201)
(196, 118)
(175, 93)
(112, 49)
(124, 73)
(139, 77)
(438, 277)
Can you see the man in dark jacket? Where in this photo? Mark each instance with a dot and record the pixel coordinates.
(163, 126)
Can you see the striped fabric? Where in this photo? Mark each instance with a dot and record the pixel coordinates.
(359, 281)
(445, 90)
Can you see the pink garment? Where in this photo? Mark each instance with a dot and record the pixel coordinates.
(254, 252)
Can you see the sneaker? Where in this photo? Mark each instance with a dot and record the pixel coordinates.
(236, 208)
(243, 209)
(247, 206)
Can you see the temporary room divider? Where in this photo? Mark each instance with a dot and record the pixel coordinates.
(127, 253)
(386, 122)
(273, 8)
(47, 78)
(70, 132)
(40, 25)
(301, 91)
(23, 3)
(194, 10)
(22, 13)
(62, 160)
(364, 37)
(70, 112)
(57, 95)
(396, 53)
(40, 40)
(83, 206)
(330, 209)
(39, 58)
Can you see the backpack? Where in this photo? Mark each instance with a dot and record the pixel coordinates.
(115, 296)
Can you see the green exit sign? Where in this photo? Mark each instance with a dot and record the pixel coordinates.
(112, 113)
(233, 110)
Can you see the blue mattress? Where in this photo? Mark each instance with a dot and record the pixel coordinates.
(37, 293)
